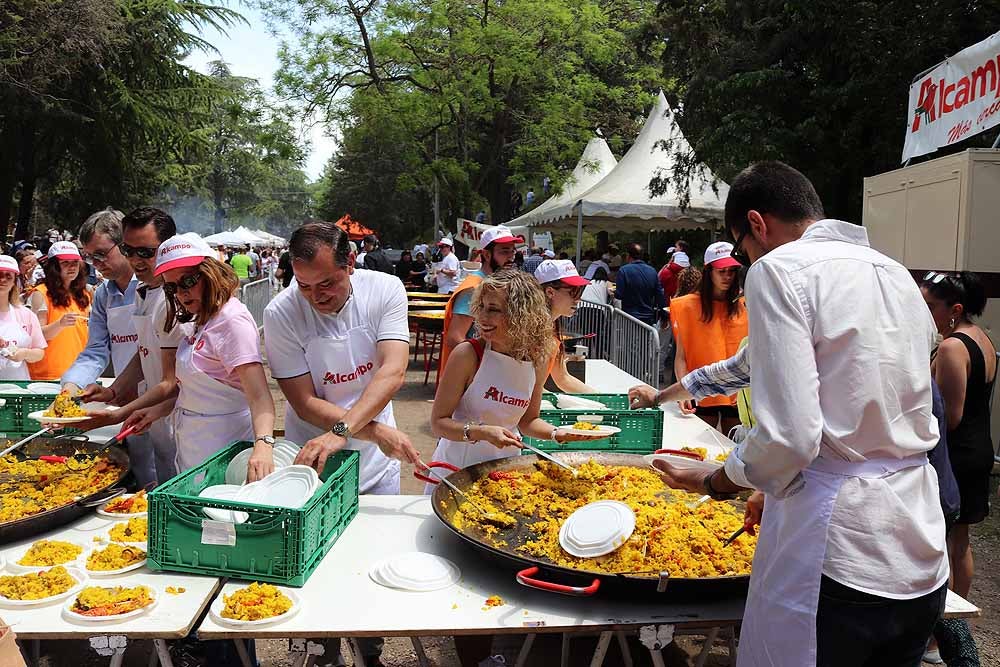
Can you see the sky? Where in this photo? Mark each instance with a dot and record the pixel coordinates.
(252, 51)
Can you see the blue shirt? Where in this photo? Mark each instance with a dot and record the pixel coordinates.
(638, 286)
(94, 358)
(463, 300)
(531, 263)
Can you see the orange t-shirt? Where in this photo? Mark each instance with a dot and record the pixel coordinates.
(471, 282)
(67, 344)
(707, 342)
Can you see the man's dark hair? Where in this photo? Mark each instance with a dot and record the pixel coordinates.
(774, 188)
(147, 215)
(371, 239)
(307, 240)
(634, 250)
(681, 245)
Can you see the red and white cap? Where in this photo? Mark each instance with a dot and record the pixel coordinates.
(562, 270)
(181, 251)
(719, 255)
(446, 241)
(64, 250)
(8, 263)
(498, 234)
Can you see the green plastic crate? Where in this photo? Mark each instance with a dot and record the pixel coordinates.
(641, 430)
(14, 422)
(276, 544)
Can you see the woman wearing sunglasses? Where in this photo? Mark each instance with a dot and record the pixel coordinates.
(964, 367)
(708, 327)
(563, 288)
(217, 374)
(62, 304)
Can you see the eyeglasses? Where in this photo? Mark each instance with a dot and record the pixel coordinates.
(143, 253)
(185, 283)
(738, 253)
(99, 257)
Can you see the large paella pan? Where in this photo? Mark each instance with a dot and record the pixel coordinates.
(685, 544)
(36, 496)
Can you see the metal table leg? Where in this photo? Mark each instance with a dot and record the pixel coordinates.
(706, 648)
(418, 648)
(522, 656)
(564, 651)
(623, 647)
(355, 648)
(117, 659)
(241, 650)
(602, 649)
(162, 652)
(657, 656)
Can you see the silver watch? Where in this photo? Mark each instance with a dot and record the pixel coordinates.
(340, 429)
(266, 439)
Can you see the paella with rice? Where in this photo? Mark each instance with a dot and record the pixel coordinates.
(37, 585)
(133, 531)
(46, 553)
(669, 535)
(113, 601)
(32, 487)
(256, 602)
(114, 557)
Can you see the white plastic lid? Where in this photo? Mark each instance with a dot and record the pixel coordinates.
(597, 529)
(415, 571)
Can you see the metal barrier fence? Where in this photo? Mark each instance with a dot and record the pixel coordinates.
(255, 296)
(626, 342)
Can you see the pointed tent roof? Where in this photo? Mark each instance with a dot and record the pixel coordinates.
(596, 162)
(621, 200)
(355, 230)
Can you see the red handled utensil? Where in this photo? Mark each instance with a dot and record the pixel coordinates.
(440, 477)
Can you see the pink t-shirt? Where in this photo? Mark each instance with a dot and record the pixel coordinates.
(28, 322)
(230, 339)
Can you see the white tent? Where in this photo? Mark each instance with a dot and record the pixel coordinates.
(271, 239)
(596, 162)
(224, 238)
(622, 200)
(247, 237)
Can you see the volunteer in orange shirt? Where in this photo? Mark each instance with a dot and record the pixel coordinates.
(62, 304)
(708, 327)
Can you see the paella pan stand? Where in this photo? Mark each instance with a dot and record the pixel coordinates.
(539, 573)
(49, 520)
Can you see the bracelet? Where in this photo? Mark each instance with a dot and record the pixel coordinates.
(552, 436)
(710, 490)
(466, 430)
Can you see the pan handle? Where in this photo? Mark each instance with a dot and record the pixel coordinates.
(435, 464)
(114, 493)
(680, 452)
(524, 577)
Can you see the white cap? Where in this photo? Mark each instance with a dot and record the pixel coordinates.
(498, 234)
(181, 251)
(64, 250)
(550, 254)
(720, 255)
(681, 258)
(8, 263)
(446, 241)
(672, 249)
(559, 269)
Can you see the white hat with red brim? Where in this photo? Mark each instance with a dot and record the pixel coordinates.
(498, 234)
(562, 270)
(719, 255)
(446, 241)
(64, 250)
(182, 251)
(8, 263)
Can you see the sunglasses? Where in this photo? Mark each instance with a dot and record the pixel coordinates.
(185, 283)
(143, 253)
(575, 292)
(738, 253)
(934, 277)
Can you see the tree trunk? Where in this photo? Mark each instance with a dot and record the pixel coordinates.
(28, 177)
(8, 178)
(220, 211)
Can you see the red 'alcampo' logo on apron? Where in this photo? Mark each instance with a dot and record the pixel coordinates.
(495, 394)
(337, 378)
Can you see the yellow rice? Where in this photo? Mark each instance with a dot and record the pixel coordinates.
(48, 485)
(133, 531)
(255, 602)
(50, 552)
(37, 585)
(114, 557)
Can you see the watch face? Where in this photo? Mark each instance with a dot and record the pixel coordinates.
(340, 428)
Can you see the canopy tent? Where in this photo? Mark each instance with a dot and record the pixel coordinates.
(269, 238)
(596, 162)
(622, 200)
(228, 238)
(355, 230)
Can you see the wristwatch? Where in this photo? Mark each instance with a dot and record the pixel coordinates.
(266, 439)
(340, 429)
(710, 490)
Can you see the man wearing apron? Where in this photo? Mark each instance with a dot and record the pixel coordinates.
(111, 334)
(337, 341)
(850, 567)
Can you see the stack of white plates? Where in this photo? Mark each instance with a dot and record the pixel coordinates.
(223, 492)
(284, 454)
(291, 486)
(13, 389)
(415, 571)
(45, 388)
(597, 529)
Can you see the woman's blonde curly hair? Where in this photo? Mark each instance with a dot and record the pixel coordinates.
(528, 318)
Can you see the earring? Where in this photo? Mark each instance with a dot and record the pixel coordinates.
(951, 323)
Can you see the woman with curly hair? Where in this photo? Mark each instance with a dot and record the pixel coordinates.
(213, 388)
(62, 305)
(492, 386)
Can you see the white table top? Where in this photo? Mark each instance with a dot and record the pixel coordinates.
(172, 617)
(341, 600)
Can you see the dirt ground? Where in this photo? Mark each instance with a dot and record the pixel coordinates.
(412, 408)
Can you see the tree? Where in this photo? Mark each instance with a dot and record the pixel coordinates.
(820, 85)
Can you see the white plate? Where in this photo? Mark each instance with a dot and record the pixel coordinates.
(219, 604)
(292, 486)
(223, 492)
(598, 433)
(597, 529)
(18, 554)
(236, 471)
(81, 581)
(71, 615)
(44, 388)
(683, 462)
(13, 389)
(571, 402)
(119, 516)
(415, 571)
(38, 415)
(111, 573)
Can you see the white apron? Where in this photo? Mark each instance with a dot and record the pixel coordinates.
(122, 334)
(12, 332)
(161, 433)
(779, 623)
(209, 414)
(341, 368)
(498, 396)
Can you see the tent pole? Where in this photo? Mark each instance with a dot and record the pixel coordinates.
(579, 234)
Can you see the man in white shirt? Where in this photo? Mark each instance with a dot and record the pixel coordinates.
(850, 567)
(448, 268)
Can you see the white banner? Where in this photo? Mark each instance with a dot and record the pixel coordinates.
(468, 232)
(542, 240)
(955, 100)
